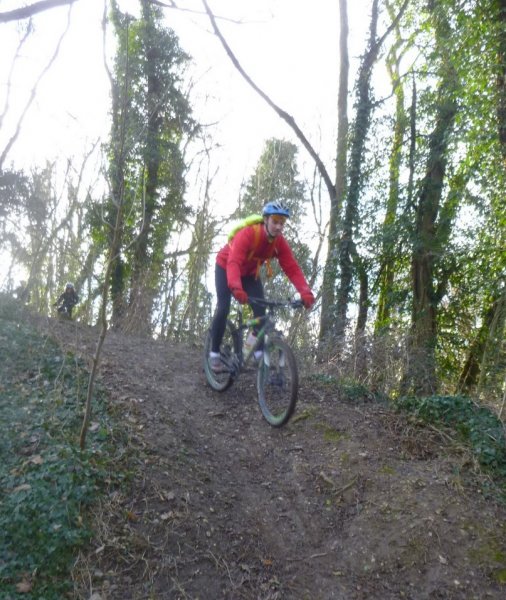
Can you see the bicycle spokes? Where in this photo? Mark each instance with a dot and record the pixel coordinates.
(277, 382)
(275, 357)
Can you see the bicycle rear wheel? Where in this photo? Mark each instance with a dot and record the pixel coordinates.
(229, 352)
(277, 382)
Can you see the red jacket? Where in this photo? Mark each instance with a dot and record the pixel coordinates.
(247, 251)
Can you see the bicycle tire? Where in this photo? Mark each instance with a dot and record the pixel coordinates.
(230, 348)
(277, 382)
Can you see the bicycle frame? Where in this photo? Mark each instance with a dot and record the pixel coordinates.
(267, 325)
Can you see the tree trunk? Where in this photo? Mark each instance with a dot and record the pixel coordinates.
(115, 215)
(492, 364)
(501, 77)
(387, 261)
(471, 372)
(327, 318)
(145, 265)
(361, 128)
(363, 309)
(420, 375)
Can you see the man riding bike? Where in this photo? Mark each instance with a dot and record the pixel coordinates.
(67, 300)
(237, 271)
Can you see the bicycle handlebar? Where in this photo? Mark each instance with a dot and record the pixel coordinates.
(276, 303)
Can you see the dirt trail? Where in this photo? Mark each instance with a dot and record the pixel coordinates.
(348, 501)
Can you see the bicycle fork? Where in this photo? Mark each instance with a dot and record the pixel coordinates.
(267, 359)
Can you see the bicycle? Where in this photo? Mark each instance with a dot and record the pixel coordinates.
(64, 311)
(277, 373)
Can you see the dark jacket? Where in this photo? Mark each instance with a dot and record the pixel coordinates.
(69, 298)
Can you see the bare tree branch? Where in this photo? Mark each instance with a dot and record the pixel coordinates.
(169, 4)
(172, 4)
(33, 93)
(394, 23)
(283, 114)
(18, 14)
(9, 80)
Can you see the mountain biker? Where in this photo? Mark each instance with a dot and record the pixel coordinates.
(237, 272)
(67, 300)
(22, 293)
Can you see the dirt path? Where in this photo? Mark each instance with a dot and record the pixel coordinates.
(349, 501)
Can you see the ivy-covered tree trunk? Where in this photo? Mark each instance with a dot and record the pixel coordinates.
(387, 263)
(149, 171)
(330, 273)
(117, 278)
(363, 311)
(500, 13)
(350, 262)
(493, 363)
(360, 130)
(145, 263)
(420, 374)
(114, 217)
(494, 313)
(485, 358)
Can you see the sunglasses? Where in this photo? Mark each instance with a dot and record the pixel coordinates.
(278, 220)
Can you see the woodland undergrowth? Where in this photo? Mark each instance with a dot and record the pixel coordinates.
(47, 484)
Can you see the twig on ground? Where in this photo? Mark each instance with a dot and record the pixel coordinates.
(335, 490)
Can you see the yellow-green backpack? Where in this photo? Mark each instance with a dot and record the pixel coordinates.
(258, 221)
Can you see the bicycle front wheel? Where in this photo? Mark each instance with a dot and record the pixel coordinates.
(229, 352)
(277, 382)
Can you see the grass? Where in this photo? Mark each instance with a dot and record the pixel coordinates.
(47, 484)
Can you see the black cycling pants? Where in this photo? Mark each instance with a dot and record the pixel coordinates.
(251, 285)
(65, 307)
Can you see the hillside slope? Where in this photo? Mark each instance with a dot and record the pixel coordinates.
(348, 501)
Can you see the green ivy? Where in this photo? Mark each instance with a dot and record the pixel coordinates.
(46, 483)
(476, 425)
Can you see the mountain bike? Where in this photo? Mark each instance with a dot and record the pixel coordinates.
(64, 311)
(277, 373)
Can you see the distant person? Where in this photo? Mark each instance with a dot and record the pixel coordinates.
(238, 266)
(22, 292)
(67, 300)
